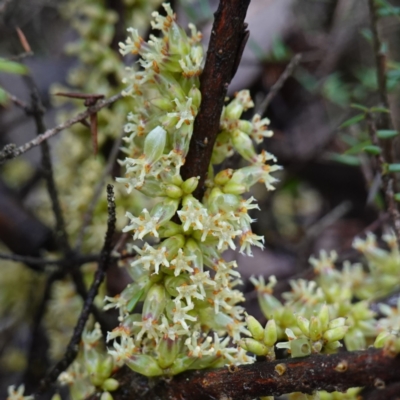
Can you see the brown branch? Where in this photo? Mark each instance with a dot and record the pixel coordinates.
(294, 62)
(387, 179)
(11, 151)
(105, 260)
(335, 372)
(228, 37)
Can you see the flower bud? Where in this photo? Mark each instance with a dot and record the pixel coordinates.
(162, 103)
(106, 396)
(155, 302)
(190, 185)
(228, 202)
(154, 144)
(255, 347)
(223, 177)
(243, 145)
(173, 191)
(270, 333)
(181, 364)
(192, 248)
(105, 367)
(169, 228)
(195, 94)
(332, 335)
(233, 110)
(381, 339)
(255, 328)
(173, 244)
(315, 329)
(268, 303)
(164, 210)
(245, 126)
(303, 324)
(234, 188)
(144, 364)
(336, 323)
(172, 282)
(323, 317)
(110, 385)
(168, 349)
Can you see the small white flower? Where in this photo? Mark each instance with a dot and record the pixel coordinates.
(142, 225)
(17, 394)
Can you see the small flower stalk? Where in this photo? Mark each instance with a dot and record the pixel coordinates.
(191, 317)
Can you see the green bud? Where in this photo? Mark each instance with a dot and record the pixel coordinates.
(300, 347)
(354, 339)
(233, 110)
(245, 126)
(195, 94)
(155, 302)
(255, 347)
(315, 329)
(270, 333)
(335, 323)
(331, 335)
(303, 324)
(192, 248)
(169, 228)
(255, 328)
(381, 339)
(243, 145)
(173, 191)
(172, 282)
(190, 185)
(154, 144)
(173, 244)
(228, 202)
(168, 350)
(234, 188)
(152, 188)
(106, 396)
(268, 303)
(223, 177)
(110, 385)
(165, 210)
(181, 364)
(162, 103)
(56, 396)
(144, 364)
(105, 367)
(324, 317)
(204, 362)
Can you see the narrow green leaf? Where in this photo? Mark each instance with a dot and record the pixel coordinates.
(12, 67)
(3, 97)
(375, 150)
(379, 110)
(134, 300)
(345, 159)
(352, 121)
(387, 134)
(393, 167)
(359, 107)
(397, 197)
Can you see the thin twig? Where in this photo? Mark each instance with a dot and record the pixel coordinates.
(105, 260)
(294, 62)
(87, 218)
(228, 38)
(11, 151)
(387, 179)
(18, 102)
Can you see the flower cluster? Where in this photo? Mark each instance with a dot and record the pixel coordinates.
(190, 317)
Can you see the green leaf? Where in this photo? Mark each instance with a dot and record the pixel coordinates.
(387, 134)
(359, 107)
(393, 168)
(134, 300)
(3, 97)
(397, 197)
(379, 110)
(358, 147)
(345, 159)
(375, 150)
(12, 67)
(352, 121)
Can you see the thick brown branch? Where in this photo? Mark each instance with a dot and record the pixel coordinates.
(228, 37)
(335, 372)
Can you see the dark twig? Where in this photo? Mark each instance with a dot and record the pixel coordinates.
(228, 37)
(97, 192)
(105, 260)
(387, 179)
(11, 151)
(384, 121)
(277, 86)
(18, 102)
(334, 372)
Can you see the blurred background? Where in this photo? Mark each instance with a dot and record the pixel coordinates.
(328, 192)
